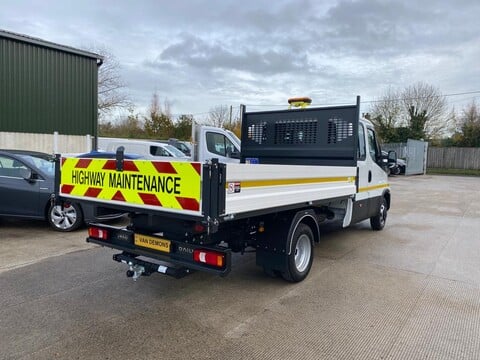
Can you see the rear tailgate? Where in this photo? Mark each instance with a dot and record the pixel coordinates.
(146, 184)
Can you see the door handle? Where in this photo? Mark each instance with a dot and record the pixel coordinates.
(369, 175)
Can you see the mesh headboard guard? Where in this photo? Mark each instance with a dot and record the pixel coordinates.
(310, 136)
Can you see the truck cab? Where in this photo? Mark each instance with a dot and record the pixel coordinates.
(212, 142)
(371, 173)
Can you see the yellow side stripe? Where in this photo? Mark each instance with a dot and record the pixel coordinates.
(374, 187)
(276, 182)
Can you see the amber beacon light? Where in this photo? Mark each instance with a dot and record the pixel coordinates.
(299, 102)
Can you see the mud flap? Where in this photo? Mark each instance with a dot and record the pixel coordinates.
(274, 245)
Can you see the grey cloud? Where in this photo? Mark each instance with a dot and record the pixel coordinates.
(200, 54)
(378, 27)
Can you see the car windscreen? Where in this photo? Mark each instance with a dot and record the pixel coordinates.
(174, 151)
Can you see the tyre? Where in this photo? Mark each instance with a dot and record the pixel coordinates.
(68, 217)
(271, 273)
(377, 222)
(395, 170)
(301, 257)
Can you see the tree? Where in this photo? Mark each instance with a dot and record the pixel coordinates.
(219, 115)
(183, 127)
(385, 115)
(417, 112)
(159, 124)
(469, 134)
(111, 87)
(427, 111)
(127, 127)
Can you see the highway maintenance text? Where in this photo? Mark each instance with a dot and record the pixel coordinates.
(141, 182)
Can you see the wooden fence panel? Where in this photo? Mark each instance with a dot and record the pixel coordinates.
(453, 158)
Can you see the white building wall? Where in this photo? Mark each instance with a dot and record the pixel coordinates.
(48, 143)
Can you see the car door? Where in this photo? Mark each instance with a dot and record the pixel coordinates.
(360, 208)
(19, 197)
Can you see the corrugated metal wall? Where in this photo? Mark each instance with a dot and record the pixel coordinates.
(43, 90)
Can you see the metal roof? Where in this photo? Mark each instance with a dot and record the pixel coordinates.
(48, 44)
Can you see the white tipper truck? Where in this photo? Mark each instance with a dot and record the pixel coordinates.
(298, 169)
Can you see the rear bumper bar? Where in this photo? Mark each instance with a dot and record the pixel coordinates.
(133, 252)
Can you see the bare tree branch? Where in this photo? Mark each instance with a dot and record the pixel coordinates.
(218, 116)
(111, 87)
(425, 99)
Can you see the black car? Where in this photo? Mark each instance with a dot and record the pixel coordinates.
(396, 167)
(26, 187)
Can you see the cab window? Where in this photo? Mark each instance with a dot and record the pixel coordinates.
(372, 145)
(361, 151)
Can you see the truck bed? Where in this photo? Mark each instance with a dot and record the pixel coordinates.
(201, 190)
(257, 187)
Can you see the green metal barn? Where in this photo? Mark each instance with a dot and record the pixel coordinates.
(46, 88)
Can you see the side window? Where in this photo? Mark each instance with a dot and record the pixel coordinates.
(361, 151)
(158, 151)
(219, 144)
(372, 144)
(11, 167)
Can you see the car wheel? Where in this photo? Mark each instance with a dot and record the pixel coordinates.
(66, 217)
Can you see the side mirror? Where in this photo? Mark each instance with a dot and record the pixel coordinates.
(26, 174)
(392, 157)
(235, 155)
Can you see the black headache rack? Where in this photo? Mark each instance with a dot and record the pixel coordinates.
(309, 136)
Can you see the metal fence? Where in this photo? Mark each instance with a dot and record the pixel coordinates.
(399, 148)
(453, 158)
(443, 157)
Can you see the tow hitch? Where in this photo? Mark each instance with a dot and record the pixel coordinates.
(138, 267)
(135, 271)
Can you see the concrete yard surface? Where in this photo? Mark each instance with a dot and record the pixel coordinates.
(411, 291)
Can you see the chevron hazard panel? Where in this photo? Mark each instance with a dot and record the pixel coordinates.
(169, 185)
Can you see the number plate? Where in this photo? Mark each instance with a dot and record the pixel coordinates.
(152, 242)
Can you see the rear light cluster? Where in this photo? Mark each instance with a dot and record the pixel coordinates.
(98, 233)
(199, 228)
(209, 257)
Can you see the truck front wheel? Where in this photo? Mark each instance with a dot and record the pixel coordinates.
(378, 221)
(301, 256)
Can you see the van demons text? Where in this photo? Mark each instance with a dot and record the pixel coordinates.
(151, 183)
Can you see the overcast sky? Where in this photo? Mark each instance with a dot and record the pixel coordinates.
(200, 54)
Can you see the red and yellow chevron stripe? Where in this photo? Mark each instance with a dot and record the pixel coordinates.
(170, 185)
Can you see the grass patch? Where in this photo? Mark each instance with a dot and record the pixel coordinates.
(459, 172)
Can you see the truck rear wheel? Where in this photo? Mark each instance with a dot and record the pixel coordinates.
(301, 257)
(378, 221)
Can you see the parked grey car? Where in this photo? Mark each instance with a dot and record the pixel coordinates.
(26, 186)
